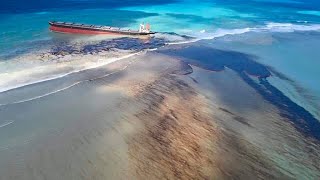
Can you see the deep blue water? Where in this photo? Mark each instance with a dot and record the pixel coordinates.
(23, 21)
(21, 6)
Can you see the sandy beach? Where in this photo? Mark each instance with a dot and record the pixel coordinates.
(150, 116)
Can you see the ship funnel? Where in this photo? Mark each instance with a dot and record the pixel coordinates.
(148, 27)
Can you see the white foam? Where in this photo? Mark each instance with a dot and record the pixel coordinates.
(223, 32)
(176, 39)
(41, 96)
(102, 62)
(203, 34)
(268, 27)
(62, 89)
(184, 42)
(289, 27)
(6, 124)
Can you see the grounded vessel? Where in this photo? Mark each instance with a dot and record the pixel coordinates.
(76, 28)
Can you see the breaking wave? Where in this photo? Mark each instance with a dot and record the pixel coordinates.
(289, 27)
(6, 124)
(268, 27)
(56, 76)
(133, 47)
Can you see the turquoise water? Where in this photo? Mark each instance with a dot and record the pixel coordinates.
(186, 17)
(251, 38)
(293, 54)
(283, 34)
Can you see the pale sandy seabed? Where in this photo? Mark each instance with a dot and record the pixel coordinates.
(152, 117)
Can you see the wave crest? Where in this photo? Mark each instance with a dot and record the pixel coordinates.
(289, 27)
(268, 27)
(95, 55)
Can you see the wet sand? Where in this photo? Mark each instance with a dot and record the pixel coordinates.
(151, 116)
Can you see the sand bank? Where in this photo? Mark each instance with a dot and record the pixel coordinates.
(151, 117)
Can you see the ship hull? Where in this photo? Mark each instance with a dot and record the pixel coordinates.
(79, 31)
(72, 28)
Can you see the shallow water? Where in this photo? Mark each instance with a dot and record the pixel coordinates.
(293, 57)
(52, 85)
(121, 118)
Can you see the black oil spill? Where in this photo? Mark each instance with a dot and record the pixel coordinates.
(134, 44)
(245, 65)
(303, 120)
(217, 60)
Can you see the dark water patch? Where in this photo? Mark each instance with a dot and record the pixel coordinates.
(191, 18)
(242, 120)
(179, 35)
(217, 60)
(183, 69)
(22, 6)
(194, 80)
(298, 5)
(125, 44)
(133, 44)
(300, 90)
(245, 65)
(226, 110)
(268, 11)
(63, 45)
(302, 120)
(63, 50)
(295, 5)
(280, 75)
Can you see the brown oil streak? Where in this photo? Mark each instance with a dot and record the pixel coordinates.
(178, 138)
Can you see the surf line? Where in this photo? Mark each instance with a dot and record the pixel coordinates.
(110, 60)
(6, 124)
(65, 88)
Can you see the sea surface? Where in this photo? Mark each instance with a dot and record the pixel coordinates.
(273, 45)
(282, 34)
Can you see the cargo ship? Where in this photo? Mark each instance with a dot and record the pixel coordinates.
(77, 28)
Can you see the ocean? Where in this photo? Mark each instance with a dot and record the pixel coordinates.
(24, 30)
(272, 45)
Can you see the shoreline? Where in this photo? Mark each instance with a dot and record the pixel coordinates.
(141, 119)
(268, 26)
(253, 69)
(108, 61)
(165, 113)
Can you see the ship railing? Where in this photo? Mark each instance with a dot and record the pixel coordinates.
(126, 30)
(105, 27)
(80, 25)
(115, 29)
(93, 26)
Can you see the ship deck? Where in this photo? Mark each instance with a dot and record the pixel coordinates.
(98, 28)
